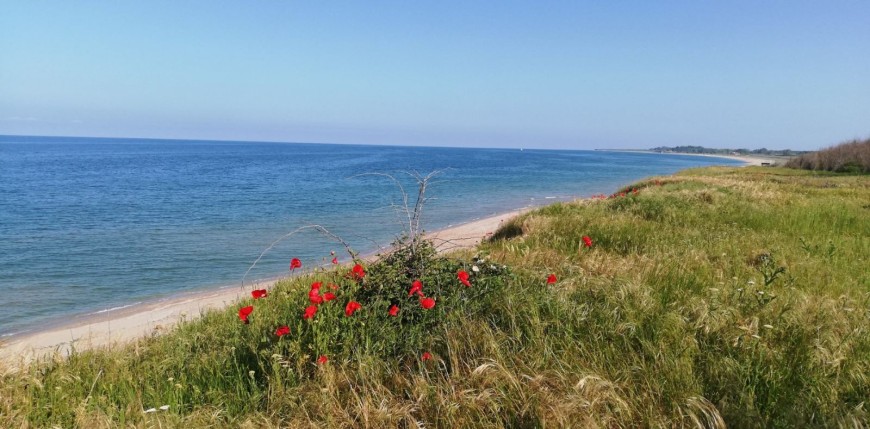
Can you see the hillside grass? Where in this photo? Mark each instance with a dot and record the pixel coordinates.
(717, 296)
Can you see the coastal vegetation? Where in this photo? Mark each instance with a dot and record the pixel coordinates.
(715, 151)
(713, 297)
(848, 157)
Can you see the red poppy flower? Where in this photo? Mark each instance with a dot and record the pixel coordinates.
(426, 356)
(295, 263)
(335, 260)
(587, 241)
(463, 277)
(315, 299)
(427, 303)
(358, 272)
(351, 307)
(322, 360)
(394, 310)
(551, 279)
(310, 311)
(282, 331)
(259, 293)
(416, 287)
(316, 285)
(328, 296)
(244, 312)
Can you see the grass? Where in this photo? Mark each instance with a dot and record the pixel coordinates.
(717, 296)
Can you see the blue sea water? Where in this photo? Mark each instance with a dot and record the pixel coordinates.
(88, 224)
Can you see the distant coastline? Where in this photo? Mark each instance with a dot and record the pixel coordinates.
(756, 160)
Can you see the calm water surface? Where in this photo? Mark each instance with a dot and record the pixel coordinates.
(90, 224)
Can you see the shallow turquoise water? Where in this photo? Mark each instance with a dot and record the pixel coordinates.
(89, 224)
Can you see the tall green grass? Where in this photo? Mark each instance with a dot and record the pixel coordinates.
(714, 297)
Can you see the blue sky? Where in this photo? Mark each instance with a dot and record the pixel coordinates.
(487, 74)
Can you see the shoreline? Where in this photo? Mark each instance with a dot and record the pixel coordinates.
(756, 160)
(151, 317)
(139, 320)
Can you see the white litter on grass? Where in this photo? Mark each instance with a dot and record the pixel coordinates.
(152, 410)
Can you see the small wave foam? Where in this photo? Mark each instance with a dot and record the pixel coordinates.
(120, 307)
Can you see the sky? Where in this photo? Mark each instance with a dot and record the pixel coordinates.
(572, 75)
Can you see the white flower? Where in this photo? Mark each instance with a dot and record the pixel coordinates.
(475, 269)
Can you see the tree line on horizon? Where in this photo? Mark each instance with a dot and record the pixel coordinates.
(714, 151)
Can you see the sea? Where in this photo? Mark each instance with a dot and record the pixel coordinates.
(92, 225)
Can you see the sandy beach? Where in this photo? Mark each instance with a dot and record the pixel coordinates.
(756, 160)
(155, 317)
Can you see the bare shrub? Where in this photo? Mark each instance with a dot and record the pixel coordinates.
(849, 157)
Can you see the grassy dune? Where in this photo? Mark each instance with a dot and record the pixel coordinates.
(718, 296)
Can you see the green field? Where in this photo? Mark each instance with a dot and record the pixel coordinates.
(714, 297)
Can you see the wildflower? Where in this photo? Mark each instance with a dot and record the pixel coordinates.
(295, 263)
(333, 287)
(394, 310)
(475, 269)
(335, 261)
(426, 356)
(427, 303)
(316, 285)
(322, 360)
(244, 312)
(351, 307)
(358, 272)
(310, 311)
(463, 278)
(315, 298)
(259, 293)
(328, 296)
(551, 279)
(416, 287)
(587, 241)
